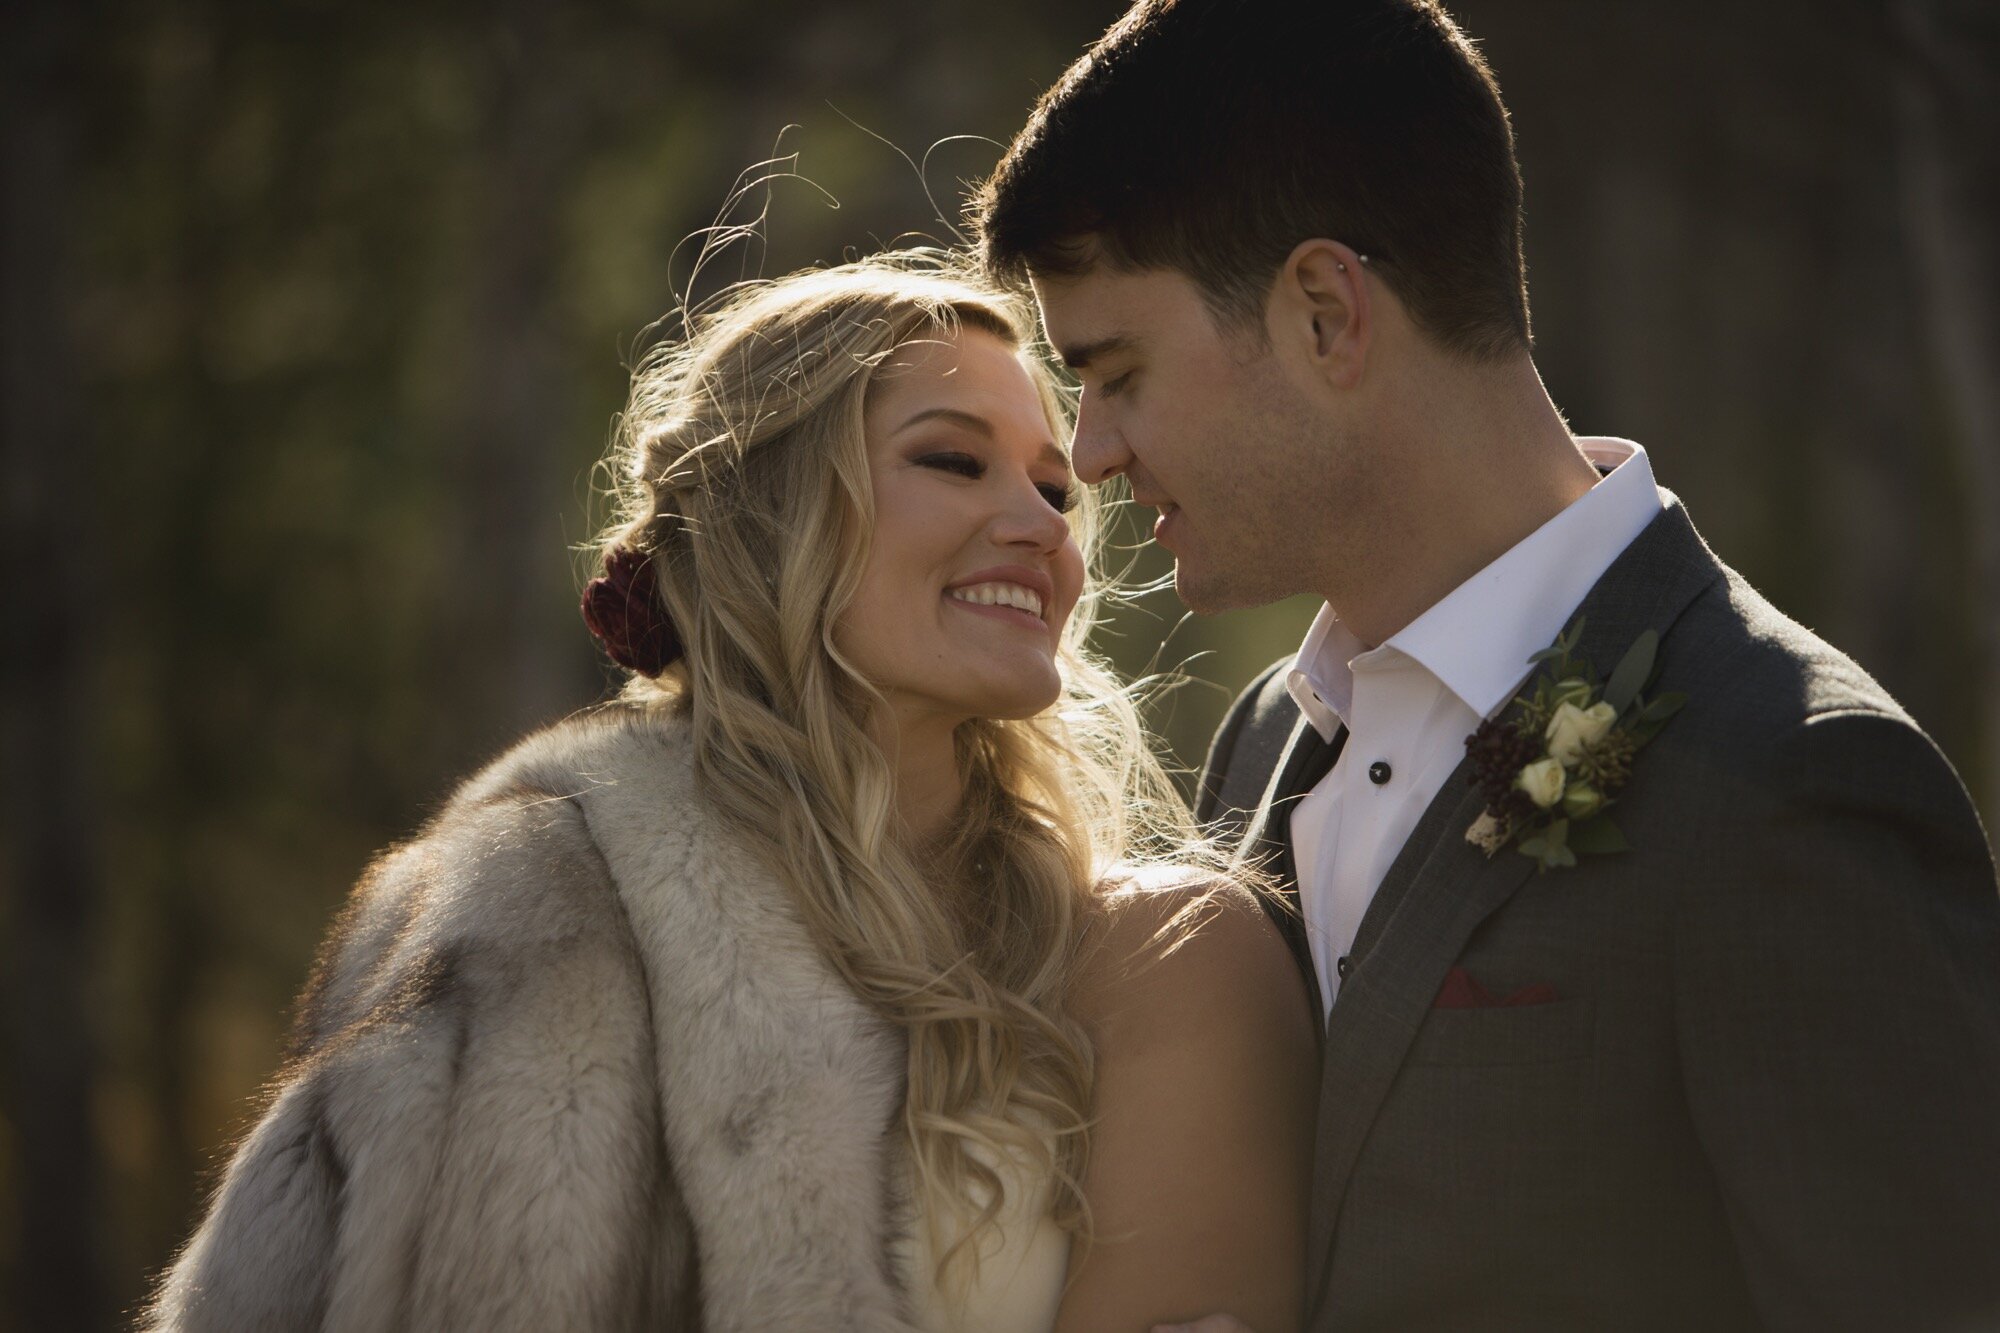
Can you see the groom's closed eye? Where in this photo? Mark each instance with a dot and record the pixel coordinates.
(1079, 357)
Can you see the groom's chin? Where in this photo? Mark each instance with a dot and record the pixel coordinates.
(1203, 596)
(1210, 591)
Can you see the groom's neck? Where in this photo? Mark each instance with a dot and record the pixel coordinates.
(1470, 460)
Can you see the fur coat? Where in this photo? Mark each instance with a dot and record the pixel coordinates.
(568, 1061)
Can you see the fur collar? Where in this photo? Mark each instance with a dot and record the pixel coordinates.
(569, 1060)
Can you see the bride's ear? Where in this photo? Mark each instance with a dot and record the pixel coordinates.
(1320, 311)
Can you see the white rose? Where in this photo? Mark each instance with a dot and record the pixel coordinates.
(1572, 728)
(1582, 800)
(1543, 781)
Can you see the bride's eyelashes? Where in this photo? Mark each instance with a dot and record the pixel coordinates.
(1060, 498)
(1111, 388)
(965, 465)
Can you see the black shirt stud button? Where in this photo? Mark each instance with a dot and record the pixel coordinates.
(1378, 772)
(1342, 966)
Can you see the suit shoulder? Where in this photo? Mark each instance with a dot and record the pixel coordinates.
(1253, 704)
(1754, 677)
(1778, 723)
(1268, 693)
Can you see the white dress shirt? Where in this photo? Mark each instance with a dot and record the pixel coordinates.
(1409, 704)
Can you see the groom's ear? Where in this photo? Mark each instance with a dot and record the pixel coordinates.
(1319, 310)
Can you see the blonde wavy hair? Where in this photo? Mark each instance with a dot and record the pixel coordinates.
(744, 474)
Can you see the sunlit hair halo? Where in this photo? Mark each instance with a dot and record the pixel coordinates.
(745, 488)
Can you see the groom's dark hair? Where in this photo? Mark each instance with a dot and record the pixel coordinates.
(1212, 136)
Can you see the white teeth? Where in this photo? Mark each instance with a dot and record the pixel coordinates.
(1001, 594)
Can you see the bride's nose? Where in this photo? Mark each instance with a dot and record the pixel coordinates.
(1028, 520)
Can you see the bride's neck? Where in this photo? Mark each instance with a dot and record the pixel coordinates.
(923, 762)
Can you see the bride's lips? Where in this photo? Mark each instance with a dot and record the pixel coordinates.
(1034, 580)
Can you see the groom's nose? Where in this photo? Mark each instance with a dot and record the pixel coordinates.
(1098, 452)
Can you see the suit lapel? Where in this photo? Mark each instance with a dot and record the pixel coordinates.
(1440, 888)
(1268, 840)
(1435, 895)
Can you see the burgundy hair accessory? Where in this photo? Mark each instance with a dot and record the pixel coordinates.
(622, 608)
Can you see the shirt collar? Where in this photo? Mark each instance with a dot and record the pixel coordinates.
(1477, 641)
(1320, 680)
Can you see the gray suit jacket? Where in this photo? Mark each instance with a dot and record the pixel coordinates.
(1768, 1093)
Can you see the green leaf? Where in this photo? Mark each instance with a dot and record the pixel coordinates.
(1662, 708)
(1633, 669)
(1598, 837)
(1572, 690)
(1546, 655)
(1547, 848)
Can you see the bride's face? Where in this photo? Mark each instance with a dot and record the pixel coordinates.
(972, 570)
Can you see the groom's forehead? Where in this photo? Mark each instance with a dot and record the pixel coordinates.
(1080, 315)
(1089, 316)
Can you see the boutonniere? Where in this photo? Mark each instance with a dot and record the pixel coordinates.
(1555, 760)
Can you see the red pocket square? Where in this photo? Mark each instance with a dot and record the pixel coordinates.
(1462, 991)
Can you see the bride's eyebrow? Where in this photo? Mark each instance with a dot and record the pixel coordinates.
(1080, 355)
(958, 416)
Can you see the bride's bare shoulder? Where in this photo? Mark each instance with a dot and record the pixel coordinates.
(1206, 1081)
(1170, 942)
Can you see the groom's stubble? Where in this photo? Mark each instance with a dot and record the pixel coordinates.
(1300, 501)
(1297, 477)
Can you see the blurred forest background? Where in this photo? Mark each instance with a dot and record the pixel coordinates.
(314, 324)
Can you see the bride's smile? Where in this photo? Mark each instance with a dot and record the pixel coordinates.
(1008, 589)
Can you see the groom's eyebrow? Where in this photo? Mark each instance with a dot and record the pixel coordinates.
(1077, 356)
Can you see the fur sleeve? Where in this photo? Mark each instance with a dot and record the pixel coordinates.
(467, 1134)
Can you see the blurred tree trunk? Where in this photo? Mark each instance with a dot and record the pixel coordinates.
(508, 454)
(1950, 159)
(175, 603)
(51, 870)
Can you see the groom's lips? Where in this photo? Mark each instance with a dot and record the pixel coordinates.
(1164, 523)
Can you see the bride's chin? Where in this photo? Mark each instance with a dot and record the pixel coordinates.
(1019, 706)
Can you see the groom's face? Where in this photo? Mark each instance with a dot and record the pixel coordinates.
(1201, 419)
